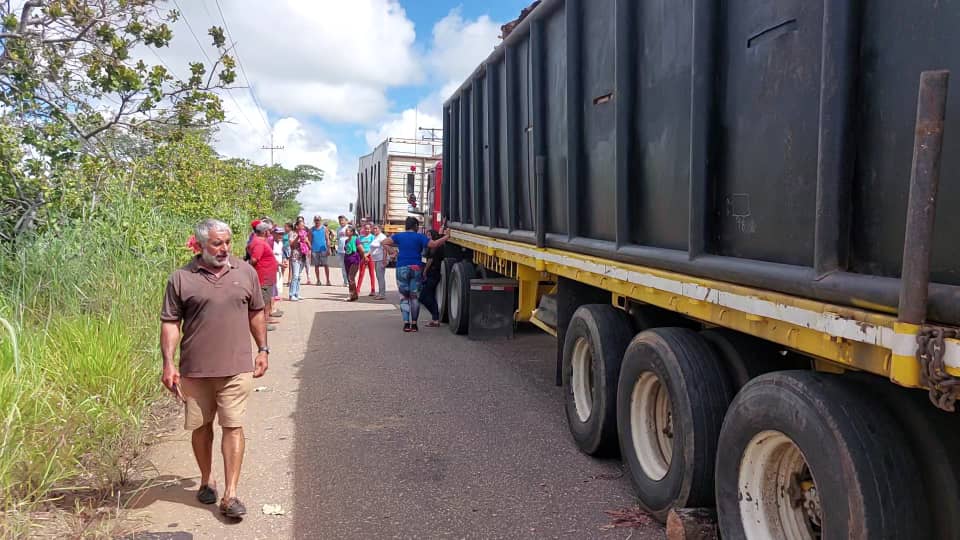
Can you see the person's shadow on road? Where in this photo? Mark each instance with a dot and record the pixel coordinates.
(173, 489)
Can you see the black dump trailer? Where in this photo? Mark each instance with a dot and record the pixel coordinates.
(764, 142)
(711, 203)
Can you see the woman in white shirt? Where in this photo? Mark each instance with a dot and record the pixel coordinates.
(281, 264)
(378, 256)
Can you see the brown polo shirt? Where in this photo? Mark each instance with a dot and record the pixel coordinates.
(215, 315)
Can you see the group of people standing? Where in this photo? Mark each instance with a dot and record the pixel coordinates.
(285, 253)
(302, 248)
(360, 250)
(364, 253)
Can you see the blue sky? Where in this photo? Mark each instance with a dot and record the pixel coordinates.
(333, 78)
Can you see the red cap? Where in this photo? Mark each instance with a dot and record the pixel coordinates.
(254, 223)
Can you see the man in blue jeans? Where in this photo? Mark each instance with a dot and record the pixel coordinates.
(411, 244)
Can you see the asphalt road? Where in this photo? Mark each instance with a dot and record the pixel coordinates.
(363, 431)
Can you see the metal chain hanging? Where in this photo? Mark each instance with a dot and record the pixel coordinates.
(944, 388)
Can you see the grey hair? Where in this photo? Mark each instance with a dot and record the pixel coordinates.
(205, 227)
(263, 227)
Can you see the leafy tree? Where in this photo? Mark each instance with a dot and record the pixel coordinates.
(70, 85)
(290, 208)
(185, 177)
(285, 184)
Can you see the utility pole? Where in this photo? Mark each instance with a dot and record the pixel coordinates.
(271, 148)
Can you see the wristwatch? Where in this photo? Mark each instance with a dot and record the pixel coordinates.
(264, 349)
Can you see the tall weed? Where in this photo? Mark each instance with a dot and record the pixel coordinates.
(84, 304)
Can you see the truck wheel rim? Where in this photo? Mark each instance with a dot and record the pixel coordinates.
(651, 424)
(582, 379)
(454, 296)
(779, 498)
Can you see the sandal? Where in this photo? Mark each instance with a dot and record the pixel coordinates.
(207, 495)
(233, 508)
(433, 324)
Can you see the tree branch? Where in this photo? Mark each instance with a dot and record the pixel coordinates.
(79, 37)
(54, 106)
(124, 99)
(28, 6)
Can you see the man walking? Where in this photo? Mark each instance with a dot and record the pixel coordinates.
(216, 303)
(320, 250)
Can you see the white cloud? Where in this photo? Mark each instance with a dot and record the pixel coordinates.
(360, 41)
(302, 145)
(331, 197)
(245, 131)
(325, 60)
(318, 58)
(459, 46)
(349, 103)
(328, 61)
(403, 125)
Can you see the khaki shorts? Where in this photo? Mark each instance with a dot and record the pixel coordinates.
(206, 397)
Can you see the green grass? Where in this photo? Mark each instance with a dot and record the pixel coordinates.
(76, 386)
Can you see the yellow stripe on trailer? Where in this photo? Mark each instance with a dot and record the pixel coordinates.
(838, 337)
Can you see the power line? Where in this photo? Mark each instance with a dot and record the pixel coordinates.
(194, 34)
(243, 71)
(205, 55)
(160, 58)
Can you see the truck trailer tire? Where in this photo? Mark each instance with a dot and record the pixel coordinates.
(671, 399)
(592, 352)
(935, 442)
(442, 289)
(805, 454)
(745, 357)
(458, 297)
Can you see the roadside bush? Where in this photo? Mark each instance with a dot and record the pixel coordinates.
(84, 304)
